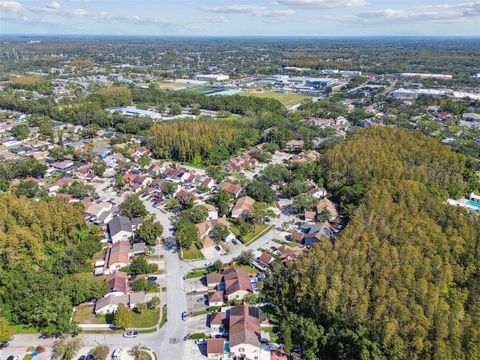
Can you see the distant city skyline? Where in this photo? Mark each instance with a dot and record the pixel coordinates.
(237, 18)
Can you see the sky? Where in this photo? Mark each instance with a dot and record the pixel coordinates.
(242, 17)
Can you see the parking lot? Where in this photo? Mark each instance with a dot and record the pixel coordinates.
(197, 324)
(193, 303)
(195, 285)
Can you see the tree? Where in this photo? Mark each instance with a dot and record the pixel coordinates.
(46, 128)
(196, 214)
(141, 308)
(122, 317)
(100, 352)
(325, 215)
(304, 202)
(144, 161)
(246, 257)
(154, 302)
(186, 199)
(66, 349)
(175, 109)
(217, 265)
(99, 168)
(6, 332)
(20, 131)
(149, 231)
(27, 188)
(260, 191)
(219, 233)
(223, 202)
(132, 207)
(186, 233)
(169, 188)
(140, 265)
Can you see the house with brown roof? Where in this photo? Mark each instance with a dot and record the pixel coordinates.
(214, 280)
(215, 348)
(244, 332)
(244, 205)
(233, 189)
(266, 259)
(205, 227)
(237, 284)
(215, 298)
(218, 321)
(117, 256)
(117, 282)
(326, 204)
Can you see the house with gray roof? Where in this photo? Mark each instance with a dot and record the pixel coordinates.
(120, 228)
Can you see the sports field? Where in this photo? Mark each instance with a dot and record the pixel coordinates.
(171, 85)
(285, 99)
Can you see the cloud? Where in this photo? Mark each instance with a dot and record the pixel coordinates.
(14, 6)
(218, 19)
(54, 5)
(323, 4)
(255, 10)
(438, 12)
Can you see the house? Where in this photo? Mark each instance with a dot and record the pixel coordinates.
(314, 233)
(212, 211)
(207, 242)
(244, 332)
(243, 206)
(215, 348)
(215, 298)
(295, 145)
(116, 256)
(240, 162)
(214, 280)
(233, 189)
(326, 204)
(218, 321)
(109, 303)
(318, 193)
(207, 226)
(288, 253)
(117, 283)
(237, 283)
(95, 210)
(120, 229)
(266, 259)
(309, 216)
(471, 120)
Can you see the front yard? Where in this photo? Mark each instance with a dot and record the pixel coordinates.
(192, 253)
(85, 315)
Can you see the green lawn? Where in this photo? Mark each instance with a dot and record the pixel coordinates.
(172, 85)
(85, 315)
(249, 269)
(164, 316)
(148, 319)
(260, 230)
(24, 329)
(285, 99)
(192, 253)
(197, 273)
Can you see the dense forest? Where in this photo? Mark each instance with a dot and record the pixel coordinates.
(401, 281)
(200, 140)
(45, 250)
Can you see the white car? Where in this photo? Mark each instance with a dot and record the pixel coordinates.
(130, 334)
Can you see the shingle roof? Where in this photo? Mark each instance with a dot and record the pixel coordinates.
(244, 326)
(119, 223)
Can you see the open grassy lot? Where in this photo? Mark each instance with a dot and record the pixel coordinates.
(260, 230)
(85, 315)
(148, 319)
(285, 99)
(171, 85)
(192, 253)
(197, 273)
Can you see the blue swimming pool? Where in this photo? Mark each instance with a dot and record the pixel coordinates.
(474, 204)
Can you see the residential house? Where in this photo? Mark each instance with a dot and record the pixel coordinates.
(218, 321)
(109, 303)
(116, 256)
(96, 210)
(207, 226)
(233, 189)
(117, 283)
(244, 332)
(214, 280)
(215, 298)
(326, 204)
(215, 348)
(288, 253)
(241, 162)
(237, 283)
(212, 211)
(243, 206)
(315, 233)
(120, 229)
(266, 259)
(295, 145)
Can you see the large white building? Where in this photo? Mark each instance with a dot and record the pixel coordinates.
(212, 77)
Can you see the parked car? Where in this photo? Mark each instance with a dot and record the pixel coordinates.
(83, 357)
(11, 357)
(89, 357)
(152, 279)
(184, 315)
(234, 242)
(200, 341)
(130, 334)
(217, 248)
(116, 353)
(202, 299)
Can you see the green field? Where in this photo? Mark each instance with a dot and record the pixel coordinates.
(285, 99)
